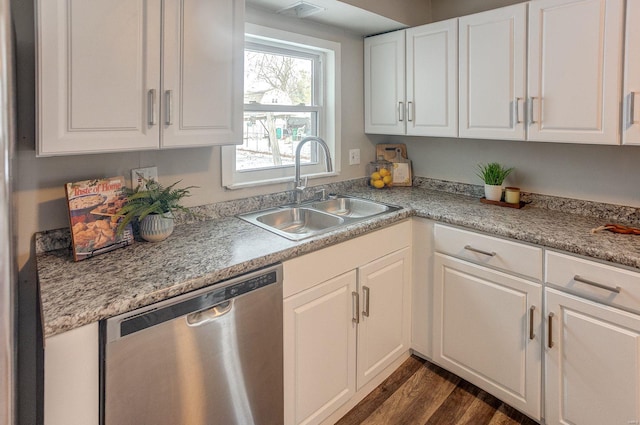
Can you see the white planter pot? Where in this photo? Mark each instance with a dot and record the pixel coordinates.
(493, 192)
(156, 228)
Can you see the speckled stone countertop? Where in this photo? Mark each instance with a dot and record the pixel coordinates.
(200, 253)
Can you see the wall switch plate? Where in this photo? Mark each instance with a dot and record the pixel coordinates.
(354, 156)
(137, 174)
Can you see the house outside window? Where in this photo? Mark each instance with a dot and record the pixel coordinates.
(291, 88)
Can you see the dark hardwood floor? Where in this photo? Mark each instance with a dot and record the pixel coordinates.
(421, 393)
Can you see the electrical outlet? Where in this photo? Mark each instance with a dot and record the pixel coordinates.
(354, 156)
(137, 174)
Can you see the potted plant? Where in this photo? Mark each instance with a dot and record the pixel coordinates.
(153, 205)
(493, 175)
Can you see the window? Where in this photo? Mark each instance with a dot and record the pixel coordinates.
(290, 92)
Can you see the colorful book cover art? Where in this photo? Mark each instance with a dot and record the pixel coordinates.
(93, 205)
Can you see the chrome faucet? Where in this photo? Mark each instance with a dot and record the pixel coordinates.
(297, 183)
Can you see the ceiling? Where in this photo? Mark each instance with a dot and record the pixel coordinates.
(335, 13)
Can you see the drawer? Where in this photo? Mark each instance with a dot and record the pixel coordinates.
(600, 282)
(502, 254)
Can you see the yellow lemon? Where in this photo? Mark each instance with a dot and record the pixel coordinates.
(384, 172)
(378, 184)
(387, 180)
(376, 176)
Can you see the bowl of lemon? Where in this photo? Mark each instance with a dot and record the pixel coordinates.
(380, 174)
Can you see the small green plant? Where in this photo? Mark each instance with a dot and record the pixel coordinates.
(151, 198)
(493, 173)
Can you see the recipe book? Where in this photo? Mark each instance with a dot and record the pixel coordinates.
(93, 205)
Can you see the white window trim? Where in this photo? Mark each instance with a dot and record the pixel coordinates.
(329, 129)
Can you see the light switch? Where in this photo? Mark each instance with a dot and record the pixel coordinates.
(354, 156)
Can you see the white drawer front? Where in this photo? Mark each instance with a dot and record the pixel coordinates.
(502, 254)
(600, 282)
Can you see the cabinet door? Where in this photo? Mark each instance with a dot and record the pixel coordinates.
(575, 62)
(203, 65)
(98, 67)
(319, 350)
(384, 74)
(493, 70)
(631, 92)
(385, 319)
(483, 330)
(593, 366)
(432, 85)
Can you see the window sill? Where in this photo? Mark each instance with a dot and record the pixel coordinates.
(279, 180)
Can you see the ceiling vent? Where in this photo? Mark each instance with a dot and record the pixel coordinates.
(301, 9)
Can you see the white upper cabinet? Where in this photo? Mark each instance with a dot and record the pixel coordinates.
(203, 72)
(631, 93)
(97, 73)
(429, 66)
(575, 70)
(493, 68)
(384, 78)
(432, 86)
(99, 68)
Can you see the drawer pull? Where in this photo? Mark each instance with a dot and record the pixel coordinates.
(597, 285)
(365, 295)
(550, 330)
(479, 251)
(355, 298)
(532, 334)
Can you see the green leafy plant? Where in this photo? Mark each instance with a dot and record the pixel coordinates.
(493, 173)
(151, 198)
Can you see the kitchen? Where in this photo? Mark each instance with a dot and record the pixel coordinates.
(547, 168)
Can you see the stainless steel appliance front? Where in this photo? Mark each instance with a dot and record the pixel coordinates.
(212, 357)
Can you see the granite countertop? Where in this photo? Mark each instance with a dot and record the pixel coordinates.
(201, 253)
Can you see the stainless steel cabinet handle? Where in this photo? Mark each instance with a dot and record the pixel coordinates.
(365, 295)
(516, 112)
(532, 334)
(355, 298)
(151, 106)
(480, 251)
(409, 111)
(168, 97)
(616, 289)
(550, 336)
(400, 111)
(632, 109)
(530, 110)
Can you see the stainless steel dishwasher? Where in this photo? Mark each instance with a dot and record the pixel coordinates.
(211, 357)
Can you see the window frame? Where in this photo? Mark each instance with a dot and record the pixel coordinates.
(327, 96)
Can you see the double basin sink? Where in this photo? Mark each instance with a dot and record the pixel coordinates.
(311, 218)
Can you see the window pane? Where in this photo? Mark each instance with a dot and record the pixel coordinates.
(270, 139)
(277, 79)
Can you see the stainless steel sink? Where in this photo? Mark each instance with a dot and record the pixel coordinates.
(313, 218)
(299, 220)
(350, 207)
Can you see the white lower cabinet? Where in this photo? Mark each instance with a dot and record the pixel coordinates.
(592, 348)
(342, 333)
(592, 362)
(318, 323)
(487, 330)
(71, 377)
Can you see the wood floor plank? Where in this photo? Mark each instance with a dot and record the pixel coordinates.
(378, 396)
(421, 393)
(468, 404)
(417, 400)
(507, 415)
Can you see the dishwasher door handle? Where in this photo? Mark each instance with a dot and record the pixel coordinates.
(200, 318)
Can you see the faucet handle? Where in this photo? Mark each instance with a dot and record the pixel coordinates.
(321, 194)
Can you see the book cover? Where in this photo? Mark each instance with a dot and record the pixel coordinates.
(93, 205)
